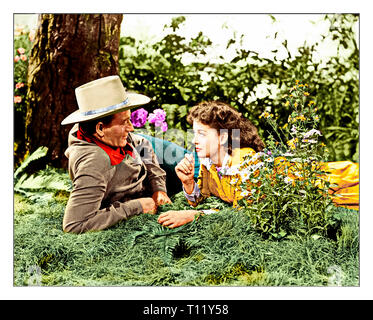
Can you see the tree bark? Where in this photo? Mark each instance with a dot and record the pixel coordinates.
(69, 50)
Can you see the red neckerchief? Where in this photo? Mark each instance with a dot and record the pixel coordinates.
(116, 155)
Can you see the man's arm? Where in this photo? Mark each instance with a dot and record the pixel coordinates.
(83, 211)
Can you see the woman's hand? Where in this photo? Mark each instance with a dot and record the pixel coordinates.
(185, 172)
(160, 197)
(173, 219)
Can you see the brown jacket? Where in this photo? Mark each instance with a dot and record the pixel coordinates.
(103, 194)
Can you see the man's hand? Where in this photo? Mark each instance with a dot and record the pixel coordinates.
(173, 219)
(185, 172)
(161, 197)
(148, 205)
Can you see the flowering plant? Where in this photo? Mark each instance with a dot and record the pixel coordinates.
(157, 119)
(282, 188)
(22, 46)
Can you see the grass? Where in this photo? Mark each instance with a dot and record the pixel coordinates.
(217, 250)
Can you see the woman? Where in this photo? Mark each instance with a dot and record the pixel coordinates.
(219, 145)
(221, 137)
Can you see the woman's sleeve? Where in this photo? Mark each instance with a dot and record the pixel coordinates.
(200, 192)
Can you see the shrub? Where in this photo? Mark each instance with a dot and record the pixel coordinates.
(282, 188)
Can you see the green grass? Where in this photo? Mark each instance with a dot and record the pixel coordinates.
(219, 249)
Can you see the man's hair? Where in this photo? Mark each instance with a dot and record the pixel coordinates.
(219, 115)
(89, 127)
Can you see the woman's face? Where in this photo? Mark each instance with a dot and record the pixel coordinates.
(206, 140)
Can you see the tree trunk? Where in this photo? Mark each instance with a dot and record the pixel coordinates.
(69, 50)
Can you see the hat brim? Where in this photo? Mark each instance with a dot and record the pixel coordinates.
(134, 100)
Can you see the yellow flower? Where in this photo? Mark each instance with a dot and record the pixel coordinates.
(292, 143)
(285, 126)
(323, 144)
(295, 105)
(317, 118)
(311, 103)
(306, 93)
(287, 103)
(265, 115)
(301, 117)
(297, 81)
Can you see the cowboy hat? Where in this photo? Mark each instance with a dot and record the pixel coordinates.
(103, 97)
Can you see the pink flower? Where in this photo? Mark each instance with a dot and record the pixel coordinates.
(164, 127)
(16, 58)
(21, 50)
(19, 85)
(23, 57)
(17, 99)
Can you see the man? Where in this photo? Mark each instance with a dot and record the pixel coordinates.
(111, 181)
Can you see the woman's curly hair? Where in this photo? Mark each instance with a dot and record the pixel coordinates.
(219, 115)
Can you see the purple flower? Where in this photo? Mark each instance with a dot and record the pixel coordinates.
(138, 117)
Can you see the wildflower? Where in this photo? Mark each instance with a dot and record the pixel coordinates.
(17, 99)
(295, 105)
(309, 140)
(306, 93)
(287, 103)
(16, 58)
(301, 117)
(23, 57)
(288, 180)
(311, 133)
(297, 81)
(293, 130)
(21, 50)
(245, 175)
(316, 118)
(292, 143)
(265, 115)
(19, 85)
(311, 103)
(234, 181)
(285, 126)
(138, 117)
(245, 193)
(322, 144)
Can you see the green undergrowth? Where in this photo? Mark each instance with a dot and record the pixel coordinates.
(219, 249)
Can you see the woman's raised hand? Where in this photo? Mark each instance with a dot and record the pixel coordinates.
(185, 172)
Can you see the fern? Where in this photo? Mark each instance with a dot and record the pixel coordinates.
(39, 153)
(40, 186)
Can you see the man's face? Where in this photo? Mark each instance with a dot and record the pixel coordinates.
(116, 132)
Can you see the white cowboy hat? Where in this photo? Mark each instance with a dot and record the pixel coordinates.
(103, 97)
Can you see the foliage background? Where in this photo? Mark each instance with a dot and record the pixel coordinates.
(159, 70)
(177, 73)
